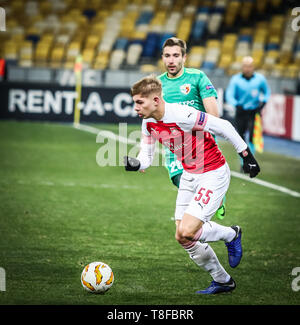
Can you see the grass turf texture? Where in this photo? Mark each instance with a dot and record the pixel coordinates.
(60, 211)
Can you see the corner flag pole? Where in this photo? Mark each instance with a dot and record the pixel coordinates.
(258, 139)
(78, 75)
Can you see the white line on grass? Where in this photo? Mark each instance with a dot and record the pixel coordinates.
(84, 185)
(265, 184)
(257, 181)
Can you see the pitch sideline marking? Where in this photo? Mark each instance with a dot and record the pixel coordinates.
(257, 181)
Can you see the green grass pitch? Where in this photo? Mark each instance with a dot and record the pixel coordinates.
(59, 211)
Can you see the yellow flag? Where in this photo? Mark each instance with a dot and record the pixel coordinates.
(258, 139)
(78, 71)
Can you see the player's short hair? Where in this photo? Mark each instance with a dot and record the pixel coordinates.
(174, 41)
(146, 86)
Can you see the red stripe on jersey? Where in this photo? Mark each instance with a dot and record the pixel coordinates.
(197, 150)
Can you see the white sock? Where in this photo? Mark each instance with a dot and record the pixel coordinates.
(204, 256)
(212, 231)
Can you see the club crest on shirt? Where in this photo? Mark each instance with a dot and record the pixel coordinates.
(185, 89)
(174, 131)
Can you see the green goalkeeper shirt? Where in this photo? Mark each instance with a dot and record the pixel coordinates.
(190, 88)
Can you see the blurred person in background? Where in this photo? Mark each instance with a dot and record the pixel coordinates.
(248, 92)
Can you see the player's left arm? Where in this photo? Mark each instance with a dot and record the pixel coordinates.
(223, 128)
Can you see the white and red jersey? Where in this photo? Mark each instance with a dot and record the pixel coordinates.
(187, 133)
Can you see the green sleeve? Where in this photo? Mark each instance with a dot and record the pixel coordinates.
(206, 88)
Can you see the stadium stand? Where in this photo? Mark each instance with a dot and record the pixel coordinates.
(128, 34)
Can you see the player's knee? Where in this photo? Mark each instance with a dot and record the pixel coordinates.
(184, 235)
(177, 237)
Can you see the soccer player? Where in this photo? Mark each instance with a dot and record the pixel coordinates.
(248, 92)
(205, 179)
(185, 86)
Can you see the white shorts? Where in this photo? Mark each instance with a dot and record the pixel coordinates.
(200, 195)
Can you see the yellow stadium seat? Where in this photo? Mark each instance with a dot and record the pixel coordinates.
(258, 55)
(292, 71)
(278, 70)
(72, 51)
(47, 38)
(42, 52)
(92, 41)
(195, 57)
(127, 26)
(57, 57)
(271, 58)
(97, 28)
(184, 29)
(139, 35)
(228, 43)
(10, 50)
(246, 9)
(213, 44)
(275, 39)
(11, 23)
(88, 57)
(261, 6)
(25, 49)
(225, 61)
(26, 54)
(69, 64)
(17, 6)
(197, 50)
(45, 7)
(148, 68)
(285, 57)
(101, 61)
(232, 10)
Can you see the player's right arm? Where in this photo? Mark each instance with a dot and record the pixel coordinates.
(147, 151)
(145, 156)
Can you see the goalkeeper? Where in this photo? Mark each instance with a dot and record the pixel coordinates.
(185, 86)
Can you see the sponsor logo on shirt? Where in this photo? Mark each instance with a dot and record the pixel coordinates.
(210, 87)
(188, 102)
(174, 131)
(185, 89)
